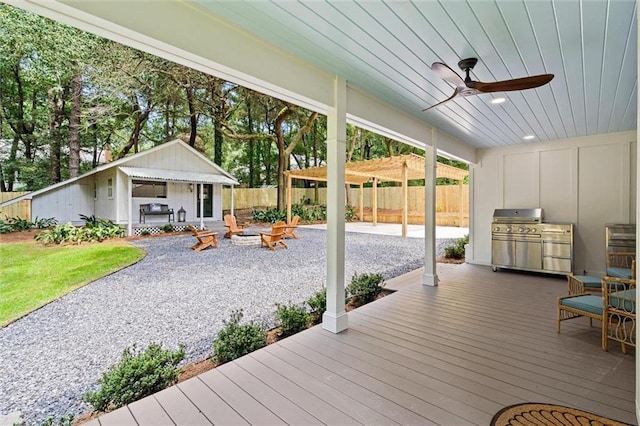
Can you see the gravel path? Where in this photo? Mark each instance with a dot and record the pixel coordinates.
(174, 295)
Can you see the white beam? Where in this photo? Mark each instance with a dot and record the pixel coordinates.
(335, 318)
(430, 276)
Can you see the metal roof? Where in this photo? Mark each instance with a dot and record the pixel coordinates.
(177, 176)
(384, 169)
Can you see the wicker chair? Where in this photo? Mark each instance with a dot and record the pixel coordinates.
(620, 265)
(619, 312)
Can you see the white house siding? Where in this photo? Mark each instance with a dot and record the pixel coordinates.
(66, 203)
(586, 181)
(174, 157)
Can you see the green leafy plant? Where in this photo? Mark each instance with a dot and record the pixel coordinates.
(293, 318)
(365, 288)
(138, 374)
(62, 421)
(456, 251)
(167, 227)
(269, 215)
(236, 340)
(317, 304)
(17, 224)
(350, 214)
(145, 232)
(98, 230)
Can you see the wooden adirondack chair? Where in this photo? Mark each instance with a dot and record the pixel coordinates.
(291, 227)
(275, 237)
(232, 226)
(205, 238)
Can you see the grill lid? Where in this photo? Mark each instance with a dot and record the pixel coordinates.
(518, 215)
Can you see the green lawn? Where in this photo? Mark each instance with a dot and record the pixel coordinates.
(32, 275)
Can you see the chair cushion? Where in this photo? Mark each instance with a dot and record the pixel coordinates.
(154, 207)
(624, 300)
(585, 303)
(590, 281)
(619, 272)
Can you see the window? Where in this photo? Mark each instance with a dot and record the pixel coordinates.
(110, 188)
(149, 189)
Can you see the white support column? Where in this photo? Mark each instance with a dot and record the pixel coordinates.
(201, 205)
(130, 206)
(232, 213)
(335, 318)
(430, 277)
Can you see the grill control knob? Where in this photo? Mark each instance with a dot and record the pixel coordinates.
(520, 229)
(496, 229)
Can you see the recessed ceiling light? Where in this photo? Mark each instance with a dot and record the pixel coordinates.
(528, 137)
(498, 100)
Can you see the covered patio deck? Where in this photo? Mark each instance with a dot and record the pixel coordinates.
(453, 354)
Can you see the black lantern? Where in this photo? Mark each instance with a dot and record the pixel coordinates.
(182, 214)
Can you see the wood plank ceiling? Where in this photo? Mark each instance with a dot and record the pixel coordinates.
(386, 48)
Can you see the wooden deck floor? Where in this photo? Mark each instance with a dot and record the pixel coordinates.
(450, 355)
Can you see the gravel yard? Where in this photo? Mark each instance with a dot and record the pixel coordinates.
(174, 295)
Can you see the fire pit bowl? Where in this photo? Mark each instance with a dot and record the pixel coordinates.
(245, 240)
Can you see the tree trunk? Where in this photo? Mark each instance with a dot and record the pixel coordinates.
(134, 138)
(217, 137)
(251, 146)
(74, 125)
(56, 108)
(193, 117)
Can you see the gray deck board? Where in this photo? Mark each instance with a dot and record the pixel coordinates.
(120, 417)
(148, 411)
(453, 354)
(319, 409)
(289, 412)
(321, 391)
(242, 402)
(181, 410)
(212, 406)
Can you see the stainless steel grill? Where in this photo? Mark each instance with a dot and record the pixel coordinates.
(520, 240)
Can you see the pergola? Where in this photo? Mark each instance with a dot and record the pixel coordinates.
(401, 168)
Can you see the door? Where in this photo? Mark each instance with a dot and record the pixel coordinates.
(208, 201)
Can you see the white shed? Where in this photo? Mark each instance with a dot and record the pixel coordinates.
(173, 174)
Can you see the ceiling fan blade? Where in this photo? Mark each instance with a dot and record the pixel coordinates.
(455, 93)
(511, 85)
(446, 73)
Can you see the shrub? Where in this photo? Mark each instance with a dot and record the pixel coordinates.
(318, 304)
(350, 214)
(235, 340)
(17, 224)
(456, 251)
(98, 230)
(62, 421)
(365, 288)
(145, 232)
(167, 227)
(138, 374)
(269, 215)
(293, 318)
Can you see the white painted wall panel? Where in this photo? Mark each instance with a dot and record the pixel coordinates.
(603, 197)
(486, 196)
(520, 179)
(586, 181)
(65, 204)
(557, 185)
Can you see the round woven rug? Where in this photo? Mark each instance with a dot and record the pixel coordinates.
(536, 414)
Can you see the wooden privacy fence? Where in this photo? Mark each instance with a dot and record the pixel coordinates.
(21, 209)
(452, 202)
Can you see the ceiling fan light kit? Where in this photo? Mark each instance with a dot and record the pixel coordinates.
(469, 87)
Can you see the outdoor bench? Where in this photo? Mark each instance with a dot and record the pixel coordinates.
(156, 209)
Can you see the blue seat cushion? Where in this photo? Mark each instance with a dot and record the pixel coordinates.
(624, 300)
(590, 281)
(585, 303)
(619, 272)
